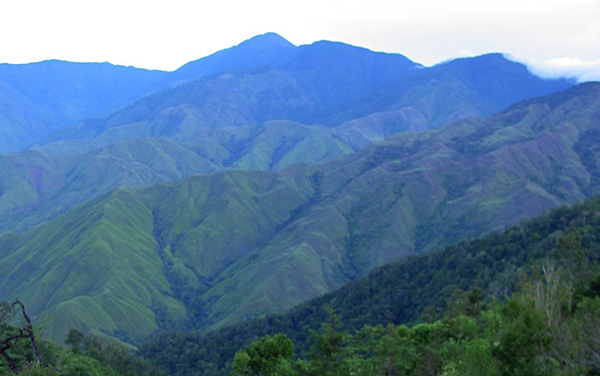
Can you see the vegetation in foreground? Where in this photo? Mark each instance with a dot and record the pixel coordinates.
(550, 326)
(23, 352)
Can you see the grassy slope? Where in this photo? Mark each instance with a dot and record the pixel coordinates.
(102, 265)
(37, 187)
(98, 269)
(235, 245)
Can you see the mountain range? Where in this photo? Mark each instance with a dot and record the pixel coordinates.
(264, 175)
(228, 246)
(237, 119)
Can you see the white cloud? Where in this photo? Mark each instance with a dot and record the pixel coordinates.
(562, 67)
(165, 35)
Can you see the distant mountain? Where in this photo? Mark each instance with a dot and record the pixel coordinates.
(229, 246)
(38, 98)
(310, 79)
(264, 78)
(368, 96)
(20, 120)
(59, 93)
(466, 87)
(267, 49)
(334, 72)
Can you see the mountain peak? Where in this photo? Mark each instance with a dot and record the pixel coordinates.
(267, 40)
(261, 50)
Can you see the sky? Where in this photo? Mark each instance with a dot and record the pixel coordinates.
(553, 37)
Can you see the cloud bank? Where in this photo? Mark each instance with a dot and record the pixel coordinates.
(569, 67)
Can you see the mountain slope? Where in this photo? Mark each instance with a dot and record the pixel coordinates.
(466, 87)
(396, 293)
(267, 49)
(62, 93)
(36, 187)
(329, 84)
(83, 256)
(38, 98)
(310, 79)
(236, 245)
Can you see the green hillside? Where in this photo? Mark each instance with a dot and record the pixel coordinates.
(37, 187)
(221, 248)
(396, 293)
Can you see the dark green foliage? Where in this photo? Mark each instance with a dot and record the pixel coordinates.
(75, 340)
(327, 351)
(267, 356)
(398, 293)
(511, 338)
(522, 339)
(24, 353)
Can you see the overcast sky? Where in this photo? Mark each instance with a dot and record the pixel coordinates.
(553, 36)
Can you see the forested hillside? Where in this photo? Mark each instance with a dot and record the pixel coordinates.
(409, 292)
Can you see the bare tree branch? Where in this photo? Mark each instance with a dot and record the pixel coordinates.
(38, 356)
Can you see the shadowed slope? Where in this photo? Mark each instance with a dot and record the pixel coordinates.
(374, 94)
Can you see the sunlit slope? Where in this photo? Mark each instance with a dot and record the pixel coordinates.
(37, 187)
(105, 264)
(96, 267)
(235, 245)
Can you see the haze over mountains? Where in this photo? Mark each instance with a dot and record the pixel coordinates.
(375, 95)
(155, 199)
(322, 79)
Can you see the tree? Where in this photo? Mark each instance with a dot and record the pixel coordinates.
(75, 339)
(13, 334)
(328, 351)
(267, 356)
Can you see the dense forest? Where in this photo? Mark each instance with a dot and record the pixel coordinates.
(549, 326)
(409, 292)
